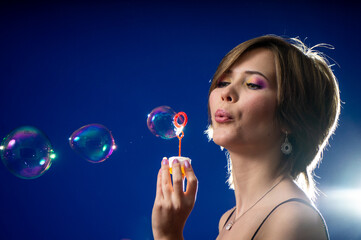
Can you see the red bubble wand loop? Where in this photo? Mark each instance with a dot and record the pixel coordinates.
(180, 133)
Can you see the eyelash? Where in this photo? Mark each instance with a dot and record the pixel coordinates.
(221, 84)
(251, 86)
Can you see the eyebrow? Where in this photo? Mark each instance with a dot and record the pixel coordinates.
(256, 72)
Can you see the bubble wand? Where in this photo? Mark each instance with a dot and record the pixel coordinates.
(180, 133)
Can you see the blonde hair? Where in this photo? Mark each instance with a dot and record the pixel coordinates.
(308, 102)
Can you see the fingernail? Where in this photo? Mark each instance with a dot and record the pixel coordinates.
(175, 161)
(186, 164)
(165, 161)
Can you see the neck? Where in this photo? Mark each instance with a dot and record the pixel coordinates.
(253, 176)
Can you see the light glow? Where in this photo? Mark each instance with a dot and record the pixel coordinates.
(105, 148)
(347, 199)
(11, 143)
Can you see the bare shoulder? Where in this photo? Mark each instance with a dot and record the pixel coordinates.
(293, 220)
(224, 218)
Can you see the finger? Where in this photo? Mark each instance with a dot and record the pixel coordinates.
(177, 177)
(159, 192)
(166, 180)
(192, 181)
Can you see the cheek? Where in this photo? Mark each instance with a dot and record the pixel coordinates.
(212, 101)
(261, 109)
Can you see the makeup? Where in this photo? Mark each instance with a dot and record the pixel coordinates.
(256, 82)
(224, 80)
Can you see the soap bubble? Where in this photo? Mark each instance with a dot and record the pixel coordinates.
(160, 122)
(94, 142)
(27, 152)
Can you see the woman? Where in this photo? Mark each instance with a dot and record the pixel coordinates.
(273, 105)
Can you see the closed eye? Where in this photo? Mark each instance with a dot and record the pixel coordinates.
(221, 84)
(253, 86)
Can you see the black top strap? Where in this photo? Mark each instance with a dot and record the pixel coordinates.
(293, 200)
(230, 215)
(289, 200)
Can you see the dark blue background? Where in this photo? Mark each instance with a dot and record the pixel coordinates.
(64, 65)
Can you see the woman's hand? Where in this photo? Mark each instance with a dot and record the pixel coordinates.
(172, 205)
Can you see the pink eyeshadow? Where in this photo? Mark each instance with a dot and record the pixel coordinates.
(258, 81)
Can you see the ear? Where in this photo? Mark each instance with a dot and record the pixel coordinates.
(286, 130)
(284, 126)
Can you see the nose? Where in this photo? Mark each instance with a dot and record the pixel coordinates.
(228, 94)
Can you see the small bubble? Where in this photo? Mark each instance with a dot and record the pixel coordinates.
(94, 142)
(160, 122)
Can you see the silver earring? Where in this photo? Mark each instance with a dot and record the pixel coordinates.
(286, 147)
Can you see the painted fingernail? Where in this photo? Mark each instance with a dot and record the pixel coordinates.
(165, 161)
(186, 164)
(175, 161)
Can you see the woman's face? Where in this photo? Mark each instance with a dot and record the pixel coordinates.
(243, 104)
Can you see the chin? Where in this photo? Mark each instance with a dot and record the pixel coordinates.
(222, 139)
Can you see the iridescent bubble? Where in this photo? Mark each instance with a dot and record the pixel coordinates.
(160, 122)
(94, 142)
(27, 152)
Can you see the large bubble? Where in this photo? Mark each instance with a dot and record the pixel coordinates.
(160, 122)
(94, 142)
(27, 152)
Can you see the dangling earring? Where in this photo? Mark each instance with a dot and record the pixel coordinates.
(286, 147)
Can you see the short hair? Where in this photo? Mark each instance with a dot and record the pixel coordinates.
(308, 101)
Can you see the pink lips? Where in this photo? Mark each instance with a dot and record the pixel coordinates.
(221, 116)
